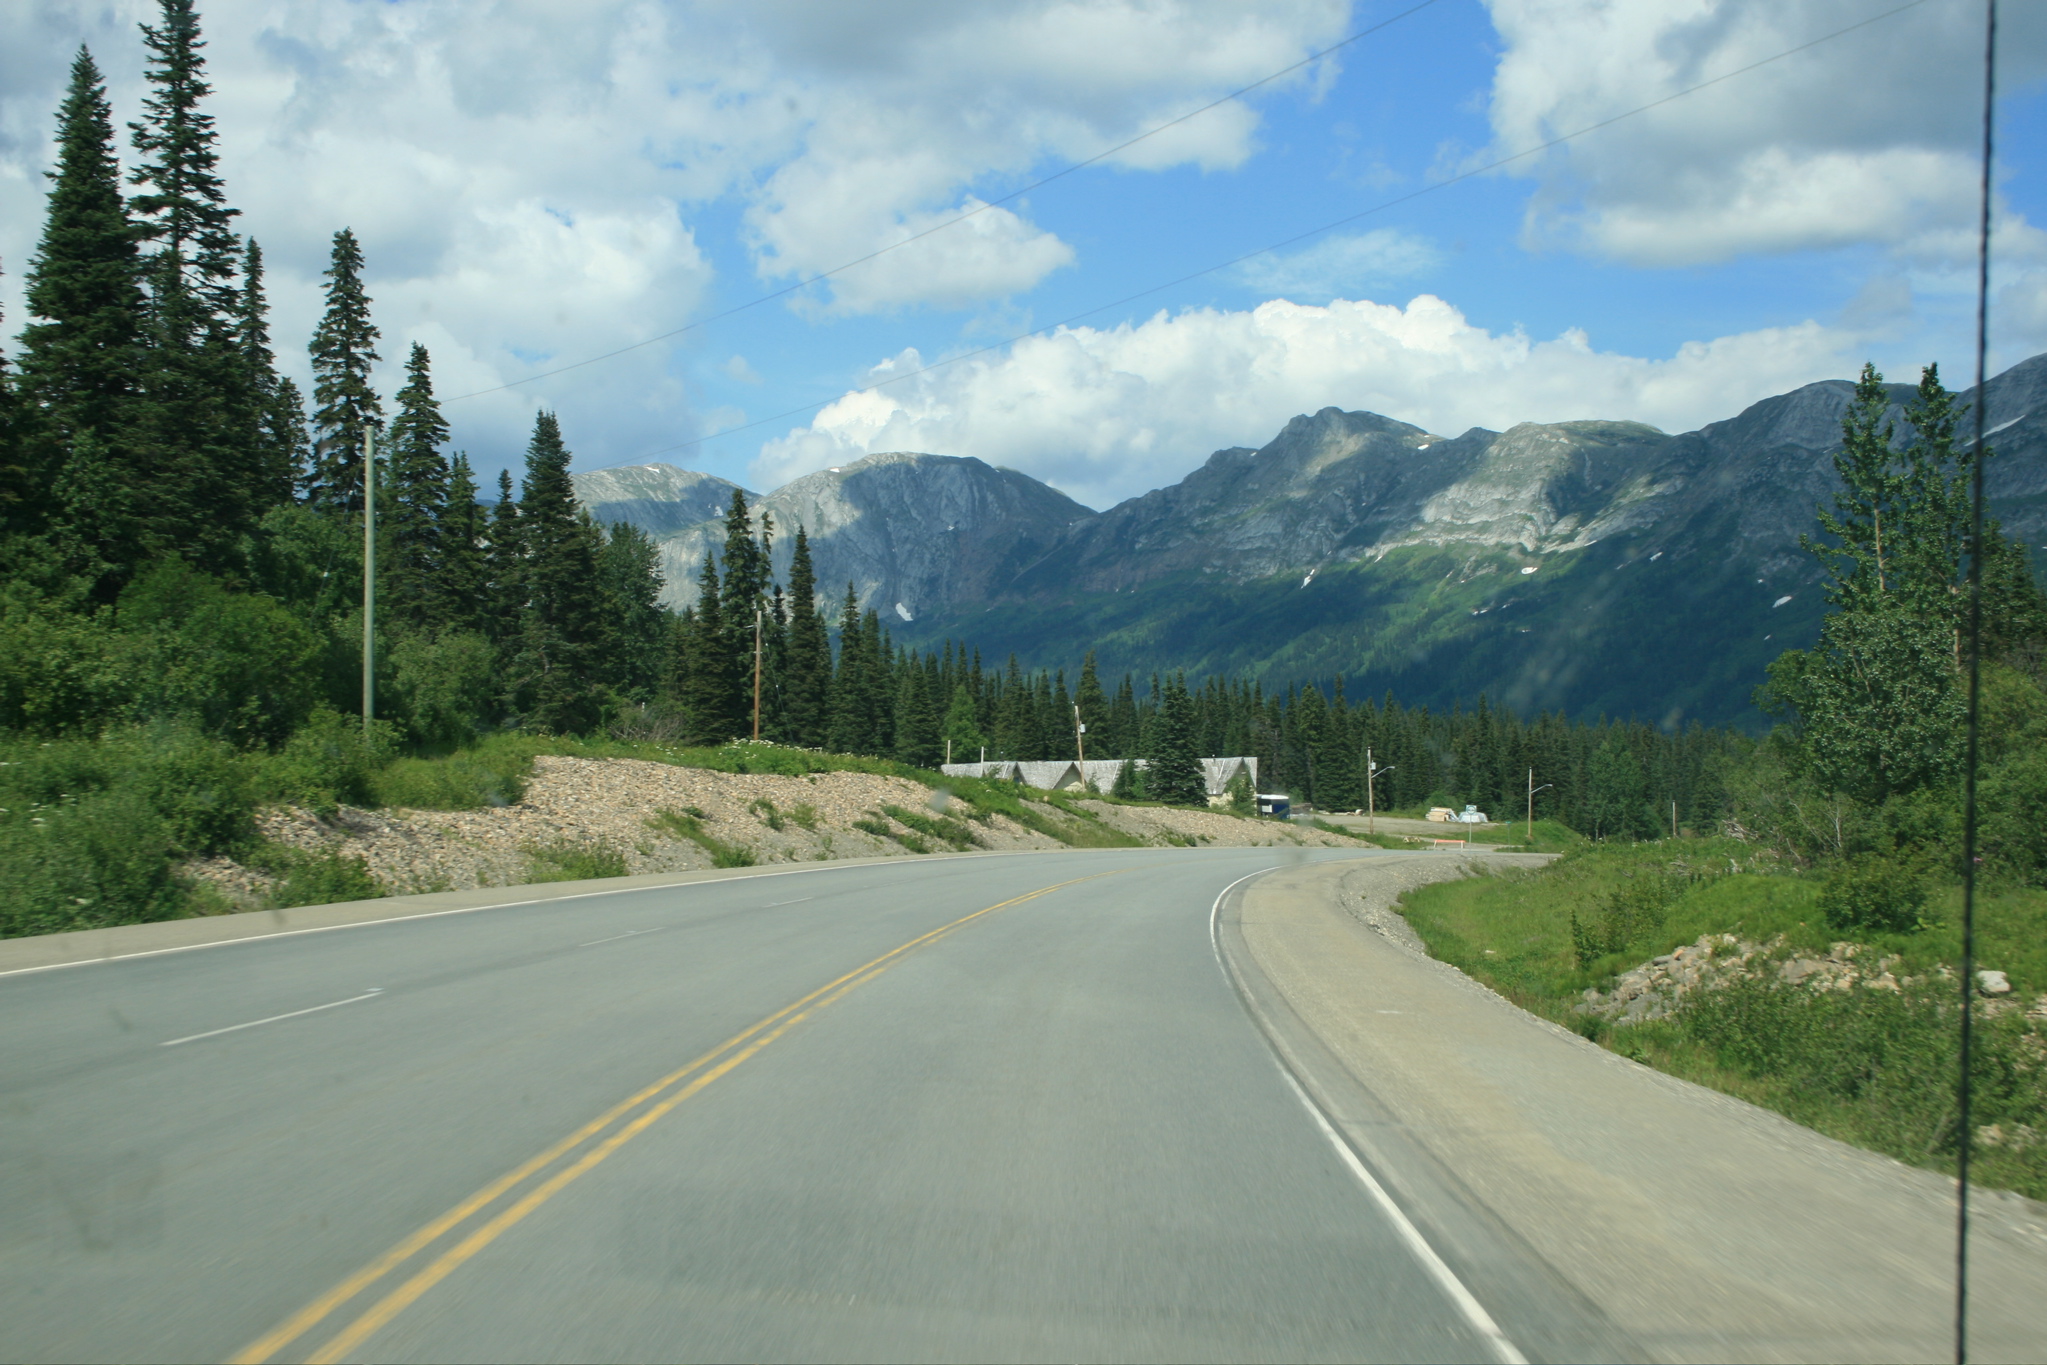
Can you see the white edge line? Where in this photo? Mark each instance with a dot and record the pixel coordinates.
(1454, 1289)
(424, 914)
(772, 905)
(544, 900)
(1446, 1279)
(235, 1028)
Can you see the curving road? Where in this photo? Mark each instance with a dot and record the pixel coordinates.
(989, 1108)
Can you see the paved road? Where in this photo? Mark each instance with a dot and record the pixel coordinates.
(597, 1130)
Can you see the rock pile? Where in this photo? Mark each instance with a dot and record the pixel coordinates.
(1657, 988)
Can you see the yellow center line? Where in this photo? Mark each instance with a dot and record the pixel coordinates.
(747, 1042)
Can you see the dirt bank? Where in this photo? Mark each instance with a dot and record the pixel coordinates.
(609, 809)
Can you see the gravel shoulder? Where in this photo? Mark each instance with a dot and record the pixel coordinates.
(1700, 1227)
(607, 806)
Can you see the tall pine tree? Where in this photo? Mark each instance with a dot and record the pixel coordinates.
(807, 672)
(197, 415)
(462, 587)
(410, 556)
(78, 363)
(344, 404)
(277, 419)
(555, 670)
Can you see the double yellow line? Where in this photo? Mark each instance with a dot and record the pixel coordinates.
(597, 1139)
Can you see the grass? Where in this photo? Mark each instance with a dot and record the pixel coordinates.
(939, 827)
(304, 878)
(688, 823)
(882, 829)
(1870, 1067)
(566, 860)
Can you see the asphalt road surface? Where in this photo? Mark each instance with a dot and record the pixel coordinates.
(992, 1108)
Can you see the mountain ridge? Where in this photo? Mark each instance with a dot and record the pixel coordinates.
(1220, 570)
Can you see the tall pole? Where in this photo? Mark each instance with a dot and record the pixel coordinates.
(1371, 797)
(756, 674)
(1080, 741)
(369, 577)
(1530, 837)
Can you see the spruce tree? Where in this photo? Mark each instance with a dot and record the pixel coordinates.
(417, 479)
(197, 415)
(635, 625)
(505, 561)
(14, 481)
(554, 672)
(344, 404)
(807, 673)
(709, 696)
(277, 420)
(851, 723)
(1175, 775)
(461, 588)
(744, 604)
(962, 731)
(184, 211)
(78, 363)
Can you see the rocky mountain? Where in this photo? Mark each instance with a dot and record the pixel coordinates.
(1585, 565)
(658, 498)
(909, 532)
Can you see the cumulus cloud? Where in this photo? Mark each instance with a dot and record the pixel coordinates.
(1106, 414)
(524, 175)
(1867, 138)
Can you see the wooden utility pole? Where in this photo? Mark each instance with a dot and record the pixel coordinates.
(1080, 741)
(756, 674)
(369, 578)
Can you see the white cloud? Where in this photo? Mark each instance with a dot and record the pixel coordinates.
(1108, 414)
(1339, 265)
(1868, 138)
(524, 175)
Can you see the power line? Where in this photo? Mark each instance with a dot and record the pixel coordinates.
(1297, 237)
(957, 219)
(1962, 1085)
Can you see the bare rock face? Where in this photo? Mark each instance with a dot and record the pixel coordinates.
(909, 531)
(658, 498)
(906, 530)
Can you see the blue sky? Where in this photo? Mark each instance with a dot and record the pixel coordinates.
(536, 185)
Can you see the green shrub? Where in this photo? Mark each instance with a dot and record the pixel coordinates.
(804, 814)
(688, 823)
(1243, 798)
(444, 687)
(568, 861)
(238, 664)
(1630, 914)
(941, 828)
(1872, 894)
(463, 781)
(765, 809)
(320, 878)
(882, 829)
(85, 861)
(91, 828)
(329, 763)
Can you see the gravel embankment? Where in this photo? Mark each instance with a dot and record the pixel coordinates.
(608, 805)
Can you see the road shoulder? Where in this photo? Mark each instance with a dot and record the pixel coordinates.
(1671, 1221)
(42, 952)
